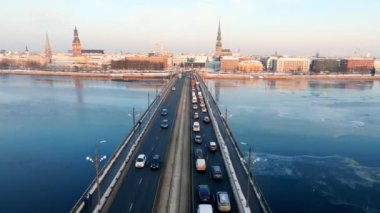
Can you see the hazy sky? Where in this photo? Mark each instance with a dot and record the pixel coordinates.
(334, 27)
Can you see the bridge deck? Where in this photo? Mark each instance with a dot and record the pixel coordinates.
(136, 190)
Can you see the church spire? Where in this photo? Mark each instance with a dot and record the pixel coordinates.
(219, 38)
(75, 32)
(218, 46)
(76, 47)
(48, 52)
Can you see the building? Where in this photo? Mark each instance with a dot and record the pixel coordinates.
(76, 46)
(356, 65)
(250, 66)
(141, 62)
(92, 52)
(291, 65)
(23, 60)
(229, 64)
(179, 60)
(325, 65)
(377, 65)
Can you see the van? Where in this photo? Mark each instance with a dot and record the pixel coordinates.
(200, 165)
(223, 202)
(196, 127)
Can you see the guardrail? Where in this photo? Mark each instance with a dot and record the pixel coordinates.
(78, 207)
(258, 192)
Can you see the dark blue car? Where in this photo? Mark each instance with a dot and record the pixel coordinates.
(204, 193)
(155, 162)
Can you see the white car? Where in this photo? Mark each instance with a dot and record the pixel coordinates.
(140, 161)
(205, 208)
(204, 109)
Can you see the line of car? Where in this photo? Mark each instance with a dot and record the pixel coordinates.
(155, 160)
(221, 198)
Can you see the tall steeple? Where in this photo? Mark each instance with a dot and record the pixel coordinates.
(77, 50)
(218, 46)
(219, 38)
(75, 32)
(48, 52)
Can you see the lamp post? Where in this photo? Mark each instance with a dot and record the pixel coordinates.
(248, 164)
(96, 160)
(249, 174)
(148, 99)
(133, 115)
(226, 114)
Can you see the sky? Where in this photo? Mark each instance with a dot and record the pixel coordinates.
(290, 27)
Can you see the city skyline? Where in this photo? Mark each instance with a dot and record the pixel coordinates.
(292, 27)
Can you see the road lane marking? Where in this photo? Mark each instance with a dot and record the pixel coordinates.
(140, 181)
(130, 207)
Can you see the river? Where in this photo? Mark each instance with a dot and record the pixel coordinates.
(316, 143)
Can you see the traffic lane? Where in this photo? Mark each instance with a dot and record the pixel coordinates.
(205, 178)
(208, 134)
(151, 144)
(125, 200)
(215, 158)
(238, 166)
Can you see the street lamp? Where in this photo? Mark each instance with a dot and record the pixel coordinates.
(148, 99)
(226, 115)
(96, 160)
(248, 166)
(133, 115)
(249, 174)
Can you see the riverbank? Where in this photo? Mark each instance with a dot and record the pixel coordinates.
(107, 75)
(137, 75)
(271, 76)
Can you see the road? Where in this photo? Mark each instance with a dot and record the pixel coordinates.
(208, 134)
(234, 151)
(139, 187)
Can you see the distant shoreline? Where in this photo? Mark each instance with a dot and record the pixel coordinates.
(270, 76)
(113, 76)
(137, 75)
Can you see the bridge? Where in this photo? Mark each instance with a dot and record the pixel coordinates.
(173, 187)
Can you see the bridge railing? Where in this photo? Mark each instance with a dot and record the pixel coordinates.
(134, 135)
(253, 182)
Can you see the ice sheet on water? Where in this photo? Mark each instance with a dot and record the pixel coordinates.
(334, 177)
(346, 170)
